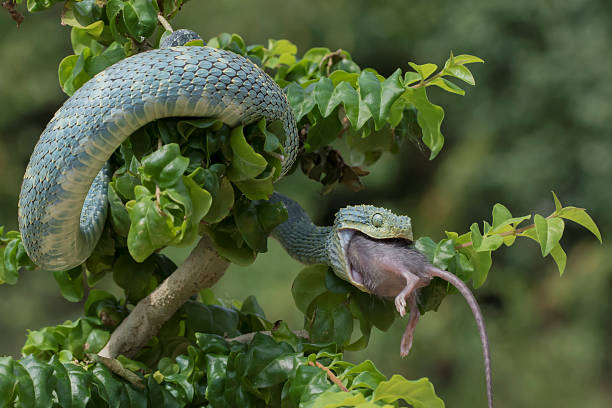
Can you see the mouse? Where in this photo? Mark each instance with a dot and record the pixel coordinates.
(395, 269)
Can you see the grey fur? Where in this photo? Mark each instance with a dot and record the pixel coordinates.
(393, 268)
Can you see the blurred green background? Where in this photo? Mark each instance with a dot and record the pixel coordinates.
(539, 119)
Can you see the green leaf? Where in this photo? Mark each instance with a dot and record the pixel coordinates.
(42, 379)
(281, 52)
(245, 216)
(140, 17)
(558, 206)
(307, 285)
(429, 118)
(500, 215)
(560, 258)
(39, 5)
(211, 319)
(165, 166)
(379, 312)
(424, 70)
(378, 97)
(10, 267)
(323, 96)
(112, 54)
(246, 163)
(419, 393)
(465, 59)
(150, 229)
(340, 76)
(580, 216)
(226, 245)
(272, 143)
(301, 100)
(476, 236)
(549, 232)
(447, 86)
(135, 279)
(119, 215)
(411, 77)
(70, 283)
(481, 261)
(427, 246)
(222, 202)
(460, 72)
(259, 188)
(200, 198)
(24, 386)
(86, 37)
(7, 381)
(444, 253)
(72, 73)
(322, 132)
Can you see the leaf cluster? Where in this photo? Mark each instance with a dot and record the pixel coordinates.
(278, 370)
(332, 308)
(469, 255)
(13, 257)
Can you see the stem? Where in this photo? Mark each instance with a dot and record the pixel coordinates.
(501, 234)
(162, 20)
(202, 269)
(427, 81)
(330, 374)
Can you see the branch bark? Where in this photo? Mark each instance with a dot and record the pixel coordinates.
(202, 269)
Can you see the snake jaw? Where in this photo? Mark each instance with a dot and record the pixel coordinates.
(354, 276)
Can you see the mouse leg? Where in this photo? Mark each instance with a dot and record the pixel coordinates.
(412, 282)
(412, 322)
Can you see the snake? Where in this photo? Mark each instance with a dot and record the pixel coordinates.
(63, 200)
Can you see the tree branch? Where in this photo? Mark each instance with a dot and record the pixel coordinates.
(202, 269)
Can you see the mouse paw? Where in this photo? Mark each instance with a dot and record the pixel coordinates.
(400, 305)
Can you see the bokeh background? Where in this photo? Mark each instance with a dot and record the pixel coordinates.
(539, 119)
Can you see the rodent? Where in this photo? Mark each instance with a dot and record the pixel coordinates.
(393, 268)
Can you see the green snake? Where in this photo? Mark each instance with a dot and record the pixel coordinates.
(67, 171)
(63, 199)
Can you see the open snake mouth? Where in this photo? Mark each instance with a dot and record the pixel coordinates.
(346, 235)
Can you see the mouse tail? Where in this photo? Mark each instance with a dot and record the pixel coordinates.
(471, 300)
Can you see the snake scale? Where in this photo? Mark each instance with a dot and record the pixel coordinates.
(63, 199)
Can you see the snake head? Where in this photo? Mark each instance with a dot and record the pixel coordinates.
(375, 222)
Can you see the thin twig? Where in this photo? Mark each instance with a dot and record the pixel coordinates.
(162, 20)
(330, 57)
(506, 233)
(330, 374)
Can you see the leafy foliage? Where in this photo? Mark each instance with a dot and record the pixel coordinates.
(280, 369)
(12, 256)
(180, 177)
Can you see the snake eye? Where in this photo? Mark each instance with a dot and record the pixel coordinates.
(377, 220)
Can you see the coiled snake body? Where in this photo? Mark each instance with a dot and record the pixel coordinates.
(86, 130)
